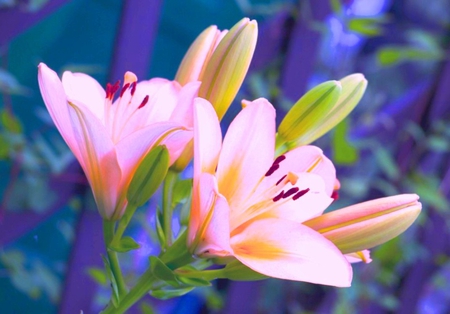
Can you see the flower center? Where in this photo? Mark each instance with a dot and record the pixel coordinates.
(119, 112)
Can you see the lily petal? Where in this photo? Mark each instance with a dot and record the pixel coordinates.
(310, 159)
(183, 112)
(288, 250)
(360, 256)
(133, 147)
(84, 89)
(247, 152)
(209, 220)
(55, 100)
(100, 160)
(207, 137)
(309, 205)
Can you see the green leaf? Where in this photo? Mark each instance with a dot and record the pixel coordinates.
(309, 111)
(235, 270)
(336, 6)
(146, 308)
(10, 122)
(438, 144)
(194, 282)
(181, 191)
(386, 163)
(393, 55)
(162, 272)
(98, 275)
(367, 26)
(4, 147)
(168, 294)
(112, 280)
(159, 228)
(343, 152)
(149, 175)
(126, 244)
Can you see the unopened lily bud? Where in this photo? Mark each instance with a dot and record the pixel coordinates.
(353, 88)
(197, 57)
(326, 112)
(365, 225)
(149, 175)
(228, 65)
(308, 112)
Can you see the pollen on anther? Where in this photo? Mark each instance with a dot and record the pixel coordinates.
(290, 192)
(144, 102)
(300, 194)
(278, 197)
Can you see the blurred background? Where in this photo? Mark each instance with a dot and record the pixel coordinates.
(396, 141)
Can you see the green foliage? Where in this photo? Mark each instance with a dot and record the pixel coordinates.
(366, 26)
(31, 277)
(112, 279)
(125, 244)
(344, 153)
(149, 175)
(98, 275)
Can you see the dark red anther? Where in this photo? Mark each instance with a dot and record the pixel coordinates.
(108, 90)
(272, 169)
(335, 195)
(124, 88)
(133, 88)
(300, 194)
(279, 181)
(144, 102)
(290, 192)
(112, 89)
(279, 159)
(278, 197)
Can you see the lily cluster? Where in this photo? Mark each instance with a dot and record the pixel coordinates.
(258, 193)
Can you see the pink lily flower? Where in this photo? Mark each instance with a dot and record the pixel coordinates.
(109, 138)
(248, 206)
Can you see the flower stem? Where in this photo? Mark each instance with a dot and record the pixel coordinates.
(169, 183)
(143, 285)
(123, 223)
(108, 234)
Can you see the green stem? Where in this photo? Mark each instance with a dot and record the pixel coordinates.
(143, 285)
(123, 223)
(177, 255)
(169, 183)
(208, 275)
(108, 234)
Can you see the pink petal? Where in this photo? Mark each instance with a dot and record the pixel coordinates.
(209, 229)
(82, 88)
(163, 97)
(309, 205)
(132, 148)
(183, 112)
(176, 143)
(307, 158)
(161, 104)
(247, 152)
(361, 256)
(55, 100)
(288, 250)
(99, 161)
(207, 137)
